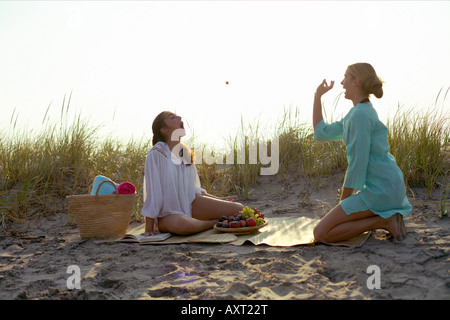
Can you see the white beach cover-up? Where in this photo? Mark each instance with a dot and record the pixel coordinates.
(170, 186)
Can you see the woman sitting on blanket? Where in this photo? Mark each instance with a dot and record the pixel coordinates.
(173, 199)
(373, 195)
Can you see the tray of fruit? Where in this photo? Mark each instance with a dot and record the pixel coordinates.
(246, 221)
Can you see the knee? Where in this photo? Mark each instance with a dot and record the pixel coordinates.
(235, 208)
(238, 206)
(319, 233)
(230, 208)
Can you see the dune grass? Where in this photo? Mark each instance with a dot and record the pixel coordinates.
(420, 144)
(38, 170)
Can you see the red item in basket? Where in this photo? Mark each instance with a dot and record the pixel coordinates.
(126, 188)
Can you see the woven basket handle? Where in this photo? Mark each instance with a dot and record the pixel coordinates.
(98, 188)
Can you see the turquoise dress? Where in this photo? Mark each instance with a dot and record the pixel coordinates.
(372, 170)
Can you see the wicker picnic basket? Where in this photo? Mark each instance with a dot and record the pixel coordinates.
(102, 216)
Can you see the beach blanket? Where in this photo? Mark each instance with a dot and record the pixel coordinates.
(280, 232)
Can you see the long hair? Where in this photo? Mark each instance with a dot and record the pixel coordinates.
(157, 125)
(185, 153)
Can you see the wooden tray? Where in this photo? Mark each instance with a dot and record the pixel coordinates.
(241, 230)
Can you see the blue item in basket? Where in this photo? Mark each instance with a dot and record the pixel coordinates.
(106, 188)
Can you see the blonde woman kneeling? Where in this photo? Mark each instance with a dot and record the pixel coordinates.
(374, 194)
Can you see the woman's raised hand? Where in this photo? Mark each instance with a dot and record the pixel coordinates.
(324, 88)
(317, 107)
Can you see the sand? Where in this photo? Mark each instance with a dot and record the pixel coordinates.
(34, 261)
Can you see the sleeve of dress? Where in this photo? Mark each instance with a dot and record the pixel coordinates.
(198, 187)
(359, 138)
(328, 132)
(152, 192)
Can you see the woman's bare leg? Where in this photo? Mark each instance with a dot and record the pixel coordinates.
(338, 226)
(183, 225)
(205, 213)
(207, 208)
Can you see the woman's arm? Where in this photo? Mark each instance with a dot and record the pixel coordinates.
(150, 227)
(359, 140)
(152, 190)
(226, 198)
(317, 107)
(206, 194)
(346, 192)
(317, 110)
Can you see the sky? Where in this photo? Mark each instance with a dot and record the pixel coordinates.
(213, 62)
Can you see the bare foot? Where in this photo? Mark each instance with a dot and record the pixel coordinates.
(402, 224)
(396, 226)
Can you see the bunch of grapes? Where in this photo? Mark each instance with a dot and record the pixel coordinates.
(247, 213)
(253, 213)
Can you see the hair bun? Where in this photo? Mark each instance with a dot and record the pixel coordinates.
(370, 82)
(376, 87)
